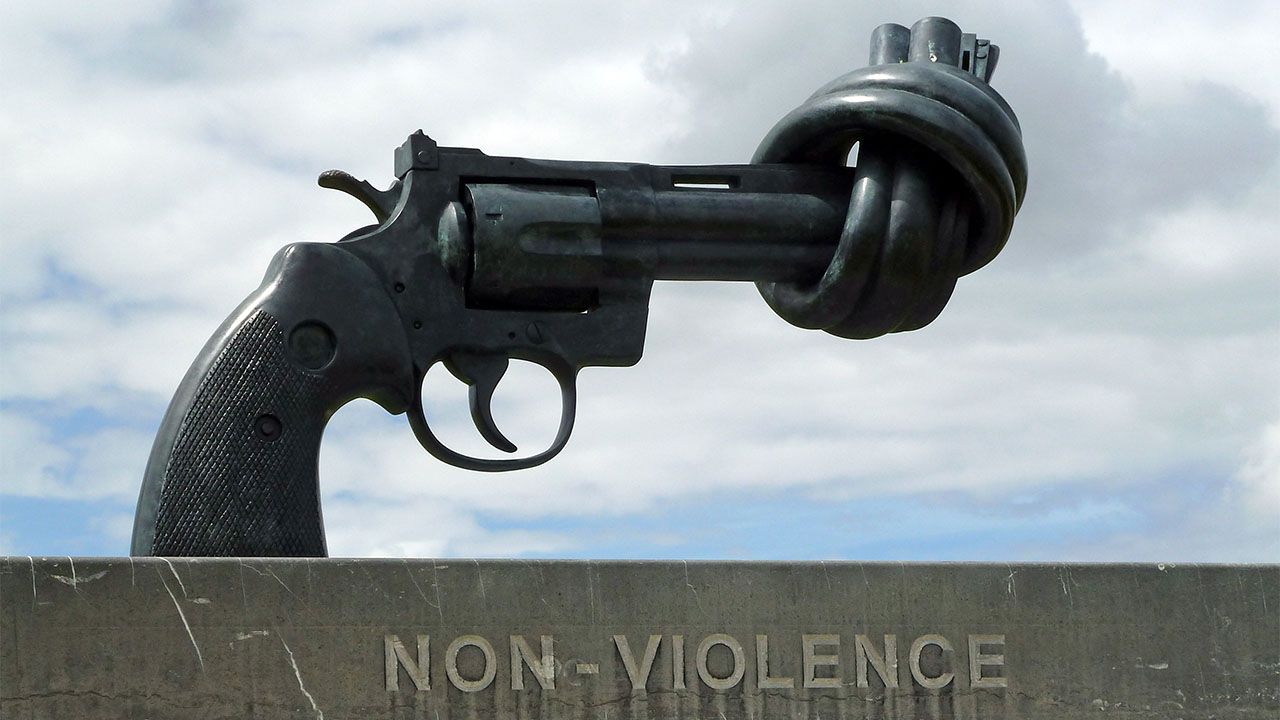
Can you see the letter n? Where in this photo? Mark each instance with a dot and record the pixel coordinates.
(544, 668)
(886, 665)
(396, 655)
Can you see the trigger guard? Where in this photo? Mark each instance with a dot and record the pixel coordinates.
(430, 443)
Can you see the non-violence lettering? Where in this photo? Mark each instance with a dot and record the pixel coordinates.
(931, 662)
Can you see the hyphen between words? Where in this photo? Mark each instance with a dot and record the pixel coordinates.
(719, 662)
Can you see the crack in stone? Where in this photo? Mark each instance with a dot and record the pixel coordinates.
(297, 674)
(75, 582)
(244, 595)
(286, 587)
(409, 571)
(591, 593)
(480, 579)
(176, 576)
(51, 694)
(689, 584)
(265, 571)
(435, 582)
(182, 616)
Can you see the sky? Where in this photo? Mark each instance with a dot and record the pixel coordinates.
(1108, 389)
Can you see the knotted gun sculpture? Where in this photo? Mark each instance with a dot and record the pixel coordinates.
(475, 260)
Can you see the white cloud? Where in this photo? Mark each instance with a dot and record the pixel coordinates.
(1167, 49)
(29, 459)
(36, 462)
(421, 528)
(1259, 479)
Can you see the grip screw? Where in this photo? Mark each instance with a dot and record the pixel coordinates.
(312, 345)
(267, 427)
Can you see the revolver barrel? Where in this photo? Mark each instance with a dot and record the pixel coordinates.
(551, 246)
(714, 230)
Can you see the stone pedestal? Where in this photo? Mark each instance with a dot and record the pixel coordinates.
(227, 638)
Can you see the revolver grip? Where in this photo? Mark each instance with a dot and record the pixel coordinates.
(233, 471)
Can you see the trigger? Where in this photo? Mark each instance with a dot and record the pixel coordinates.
(482, 373)
(381, 202)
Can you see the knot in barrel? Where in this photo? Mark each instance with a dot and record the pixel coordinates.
(940, 175)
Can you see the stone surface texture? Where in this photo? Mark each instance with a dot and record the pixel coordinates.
(332, 638)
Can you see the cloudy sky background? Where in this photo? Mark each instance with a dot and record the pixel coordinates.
(1107, 389)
